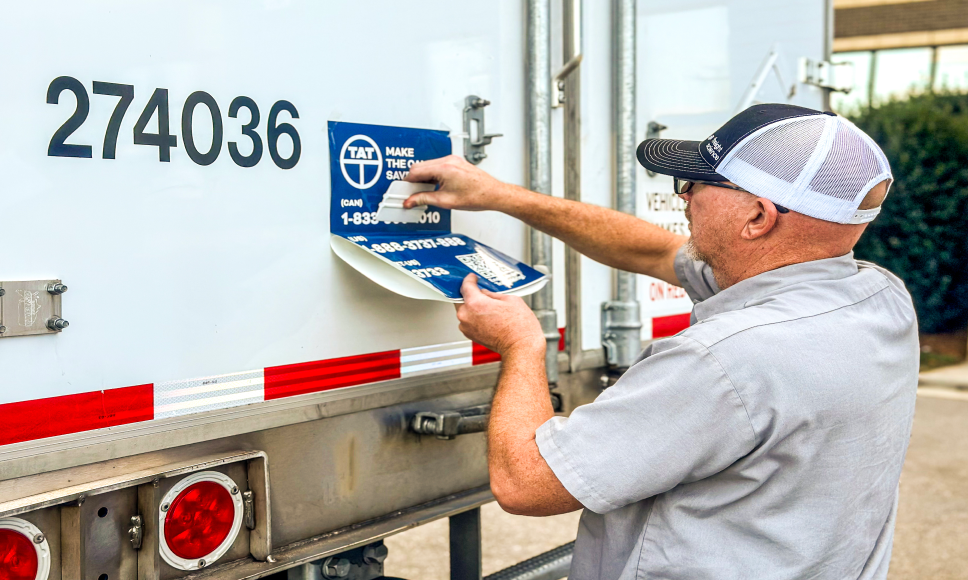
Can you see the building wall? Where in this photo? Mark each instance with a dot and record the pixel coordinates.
(898, 18)
(880, 24)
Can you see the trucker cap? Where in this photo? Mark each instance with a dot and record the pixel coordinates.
(814, 163)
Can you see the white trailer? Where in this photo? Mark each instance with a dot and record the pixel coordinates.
(181, 344)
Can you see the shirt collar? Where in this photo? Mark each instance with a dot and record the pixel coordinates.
(738, 295)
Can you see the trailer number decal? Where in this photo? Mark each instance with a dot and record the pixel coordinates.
(157, 107)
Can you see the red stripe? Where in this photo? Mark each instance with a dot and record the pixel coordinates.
(40, 418)
(561, 341)
(482, 355)
(669, 325)
(316, 376)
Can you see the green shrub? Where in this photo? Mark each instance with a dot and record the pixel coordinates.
(922, 232)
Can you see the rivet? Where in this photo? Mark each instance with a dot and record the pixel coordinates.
(164, 507)
(201, 563)
(39, 539)
(235, 490)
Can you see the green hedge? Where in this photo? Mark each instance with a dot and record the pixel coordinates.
(922, 232)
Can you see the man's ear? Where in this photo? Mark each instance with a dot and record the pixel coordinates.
(760, 220)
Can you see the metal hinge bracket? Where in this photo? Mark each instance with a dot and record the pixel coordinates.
(31, 307)
(621, 333)
(248, 509)
(475, 137)
(822, 74)
(136, 532)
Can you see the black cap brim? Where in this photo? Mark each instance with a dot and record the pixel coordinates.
(676, 158)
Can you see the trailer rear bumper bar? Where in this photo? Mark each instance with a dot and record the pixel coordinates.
(552, 565)
(340, 540)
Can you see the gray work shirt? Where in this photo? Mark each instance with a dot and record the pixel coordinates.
(764, 441)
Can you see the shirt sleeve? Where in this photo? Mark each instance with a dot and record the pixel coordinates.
(696, 277)
(672, 418)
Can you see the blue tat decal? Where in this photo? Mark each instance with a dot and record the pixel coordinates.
(444, 260)
(364, 161)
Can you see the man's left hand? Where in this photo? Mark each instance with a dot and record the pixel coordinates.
(501, 323)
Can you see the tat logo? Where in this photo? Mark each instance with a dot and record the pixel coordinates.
(359, 157)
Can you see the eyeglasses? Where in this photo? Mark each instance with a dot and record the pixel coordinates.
(685, 185)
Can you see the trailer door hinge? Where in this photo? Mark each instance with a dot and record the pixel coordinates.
(136, 532)
(475, 137)
(248, 509)
(826, 75)
(29, 307)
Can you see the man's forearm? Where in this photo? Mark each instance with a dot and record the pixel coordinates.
(521, 480)
(613, 238)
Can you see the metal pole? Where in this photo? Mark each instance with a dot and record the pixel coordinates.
(621, 317)
(828, 45)
(761, 73)
(465, 546)
(871, 80)
(539, 167)
(572, 145)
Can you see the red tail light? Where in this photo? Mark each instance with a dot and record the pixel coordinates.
(18, 559)
(24, 553)
(200, 519)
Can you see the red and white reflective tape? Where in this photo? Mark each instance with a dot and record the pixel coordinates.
(432, 359)
(174, 398)
(42, 418)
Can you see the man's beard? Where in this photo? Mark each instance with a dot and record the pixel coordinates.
(693, 253)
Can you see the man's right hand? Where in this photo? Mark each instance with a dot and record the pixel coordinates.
(462, 185)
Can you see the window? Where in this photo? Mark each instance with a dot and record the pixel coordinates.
(952, 68)
(900, 72)
(858, 97)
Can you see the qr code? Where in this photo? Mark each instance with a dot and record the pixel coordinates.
(492, 269)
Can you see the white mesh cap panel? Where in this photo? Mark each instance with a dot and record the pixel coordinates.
(849, 166)
(821, 166)
(784, 149)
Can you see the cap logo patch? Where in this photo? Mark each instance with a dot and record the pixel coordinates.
(712, 152)
(716, 144)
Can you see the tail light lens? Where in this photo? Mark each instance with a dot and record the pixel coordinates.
(22, 556)
(18, 559)
(200, 518)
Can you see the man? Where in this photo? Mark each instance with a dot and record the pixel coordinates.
(764, 441)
